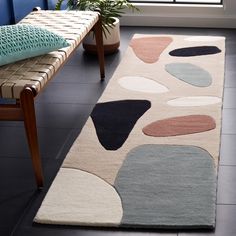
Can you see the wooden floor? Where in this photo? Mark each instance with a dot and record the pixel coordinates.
(63, 108)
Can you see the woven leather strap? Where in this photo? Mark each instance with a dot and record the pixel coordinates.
(35, 72)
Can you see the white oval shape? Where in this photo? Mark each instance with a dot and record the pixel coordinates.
(203, 38)
(194, 101)
(79, 198)
(142, 84)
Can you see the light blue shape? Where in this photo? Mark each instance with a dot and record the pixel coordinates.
(18, 42)
(167, 186)
(190, 74)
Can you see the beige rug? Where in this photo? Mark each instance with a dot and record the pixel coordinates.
(148, 154)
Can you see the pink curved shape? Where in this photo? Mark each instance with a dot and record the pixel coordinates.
(149, 49)
(180, 126)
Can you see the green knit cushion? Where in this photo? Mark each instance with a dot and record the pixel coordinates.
(18, 42)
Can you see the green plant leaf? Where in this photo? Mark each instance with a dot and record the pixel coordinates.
(58, 5)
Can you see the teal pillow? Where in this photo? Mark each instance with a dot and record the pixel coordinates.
(18, 42)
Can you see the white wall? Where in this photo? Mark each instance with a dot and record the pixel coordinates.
(183, 15)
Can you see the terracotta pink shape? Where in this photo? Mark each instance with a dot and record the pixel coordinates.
(180, 126)
(149, 49)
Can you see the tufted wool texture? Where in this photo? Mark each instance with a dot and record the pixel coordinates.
(163, 173)
(19, 42)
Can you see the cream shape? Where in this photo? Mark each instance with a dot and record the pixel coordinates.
(203, 39)
(194, 101)
(142, 84)
(79, 198)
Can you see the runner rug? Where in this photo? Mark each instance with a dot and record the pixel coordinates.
(148, 154)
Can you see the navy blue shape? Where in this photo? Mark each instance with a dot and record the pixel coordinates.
(195, 51)
(114, 120)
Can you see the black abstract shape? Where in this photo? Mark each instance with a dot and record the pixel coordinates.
(195, 51)
(114, 120)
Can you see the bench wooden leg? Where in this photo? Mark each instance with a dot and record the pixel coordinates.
(100, 47)
(27, 104)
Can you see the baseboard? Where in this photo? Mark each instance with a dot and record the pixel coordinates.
(207, 16)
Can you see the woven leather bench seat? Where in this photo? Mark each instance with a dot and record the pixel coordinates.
(35, 72)
(23, 80)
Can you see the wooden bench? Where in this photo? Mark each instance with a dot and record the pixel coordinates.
(24, 80)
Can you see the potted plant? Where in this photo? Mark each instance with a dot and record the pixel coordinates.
(109, 11)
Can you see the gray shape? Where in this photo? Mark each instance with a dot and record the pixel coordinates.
(167, 186)
(190, 74)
